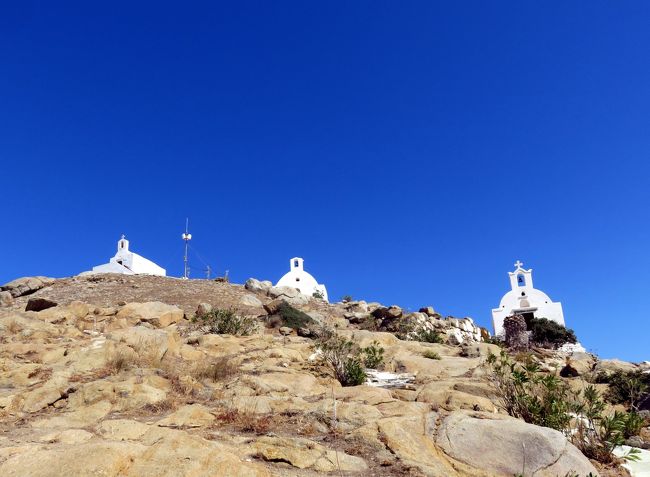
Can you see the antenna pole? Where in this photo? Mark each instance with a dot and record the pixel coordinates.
(187, 236)
(207, 271)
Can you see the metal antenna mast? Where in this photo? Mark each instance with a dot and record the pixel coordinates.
(186, 237)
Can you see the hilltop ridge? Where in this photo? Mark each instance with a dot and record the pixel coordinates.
(121, 367)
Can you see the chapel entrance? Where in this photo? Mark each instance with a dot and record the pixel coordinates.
(528, 316)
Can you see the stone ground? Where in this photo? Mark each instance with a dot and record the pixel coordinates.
(97, 387)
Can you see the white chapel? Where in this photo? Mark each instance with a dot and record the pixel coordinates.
(298, 278)
(525, 300)
(128, 263)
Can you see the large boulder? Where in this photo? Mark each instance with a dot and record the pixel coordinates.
(6, 299)
(39, 304)
(613, 365)
(154, 312)
(289, 294)
(26, 285)
(254, 285)
(507, 446)
(250, 300)
(154, 343)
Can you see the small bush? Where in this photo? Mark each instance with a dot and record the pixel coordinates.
(226, 322)
(410, 330)
(633, 424)
(247, 421)
(346, 298)
(373, 355)
(343, 357)
(625, 387)
(549, 334)
(431, 354)
(355, 373)
(318, 294)
(495, 340)
(119, 361)
(428, 336)
(217, 370)
(293, 318)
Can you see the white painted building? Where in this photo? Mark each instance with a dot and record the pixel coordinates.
(525, 300)
(298, 278)
(128, 263)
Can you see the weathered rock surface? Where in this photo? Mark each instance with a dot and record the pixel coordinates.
(92, 387)
(6, 299)
(26, 285)
(157, 313)
(39, 304)
(258, 286)
(510, 446)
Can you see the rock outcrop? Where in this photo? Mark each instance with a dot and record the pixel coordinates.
(115, 381)
(26, 285)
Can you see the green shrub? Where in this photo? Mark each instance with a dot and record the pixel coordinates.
(355, 373)
(226, 322)
(410, 330)
(431, 354)
(318, 294)
(343, 356)
(428, 336)
(625, 387)
(549, 334)
(633, 424)
(293, 318)
(346, 298)
(495, 341)
(546, 400)
(373, 355)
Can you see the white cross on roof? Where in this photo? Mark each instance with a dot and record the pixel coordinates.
(518, 264)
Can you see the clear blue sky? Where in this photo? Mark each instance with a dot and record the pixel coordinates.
(409, 151)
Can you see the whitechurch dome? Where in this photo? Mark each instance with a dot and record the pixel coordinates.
(524, 299)
(298, 278)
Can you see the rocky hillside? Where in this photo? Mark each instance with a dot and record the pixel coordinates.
(109, 375)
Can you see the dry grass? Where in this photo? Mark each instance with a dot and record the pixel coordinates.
(169, 404)
(216, 370)
(431, 354)
(119, 360)
(150, 353)
(293, 423)
(42, 373)
(13, 327)
(246, 421)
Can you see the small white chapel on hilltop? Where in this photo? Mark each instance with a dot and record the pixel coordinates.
(298, 278)
(525, 300)
(128, 263)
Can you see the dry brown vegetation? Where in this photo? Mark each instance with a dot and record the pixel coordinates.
(43, 373)
(119, 360)
(13, 327)
(215, 370)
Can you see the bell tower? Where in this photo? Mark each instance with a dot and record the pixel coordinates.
(521, 278)
(296, 263)
(122, 245)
